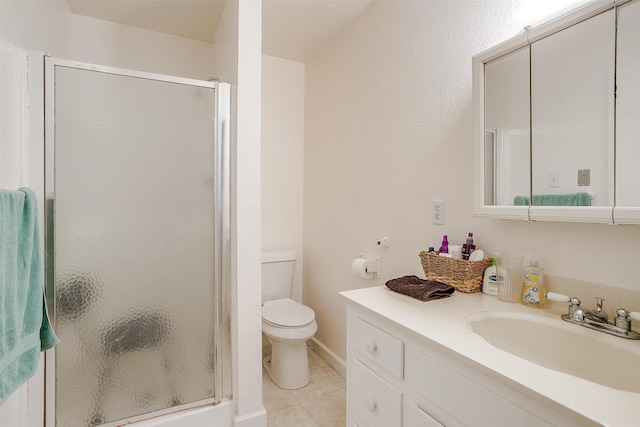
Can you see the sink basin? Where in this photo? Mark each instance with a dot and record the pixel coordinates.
(563, 347)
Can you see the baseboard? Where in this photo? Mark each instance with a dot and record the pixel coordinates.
(329, 356)
(254, 419)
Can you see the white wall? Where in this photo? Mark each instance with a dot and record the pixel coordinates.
(238, 43)
(282, 158)
(48, 26)
(389, 128)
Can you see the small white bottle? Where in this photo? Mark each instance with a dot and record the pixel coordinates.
(490, 281)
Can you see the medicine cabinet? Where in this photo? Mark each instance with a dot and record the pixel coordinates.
(558, 119)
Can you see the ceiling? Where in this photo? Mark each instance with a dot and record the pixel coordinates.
(291, 29)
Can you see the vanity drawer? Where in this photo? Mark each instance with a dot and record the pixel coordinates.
(378, 346)
(374, 401)
(418, 417)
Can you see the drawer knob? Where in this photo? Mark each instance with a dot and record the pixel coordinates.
(371, 405)
(371, 347)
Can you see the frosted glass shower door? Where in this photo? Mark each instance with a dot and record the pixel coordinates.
(134, 208)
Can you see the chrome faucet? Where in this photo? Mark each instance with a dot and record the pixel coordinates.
(597, 318)
(598, 314)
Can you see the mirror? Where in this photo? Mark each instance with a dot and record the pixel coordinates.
(507, 136)
(572, 81)
(628, 106)
(558, 119)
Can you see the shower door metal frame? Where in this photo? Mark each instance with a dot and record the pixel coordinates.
(221, 141)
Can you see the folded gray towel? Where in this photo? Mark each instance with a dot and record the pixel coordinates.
(424, 290)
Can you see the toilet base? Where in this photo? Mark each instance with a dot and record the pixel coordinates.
(288, 364)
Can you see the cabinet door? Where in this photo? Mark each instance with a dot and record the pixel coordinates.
(572, 110)
(416, 416)
(468, 401)
(507, 133)
(628, 109)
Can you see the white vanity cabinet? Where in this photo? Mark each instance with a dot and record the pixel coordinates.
(397, 378)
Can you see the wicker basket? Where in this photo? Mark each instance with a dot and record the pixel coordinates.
(464, 276)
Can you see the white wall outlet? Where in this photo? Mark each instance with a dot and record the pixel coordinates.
(554, 180)
(438, 211)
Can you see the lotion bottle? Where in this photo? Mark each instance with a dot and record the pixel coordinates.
(533, 288)
(490, 281)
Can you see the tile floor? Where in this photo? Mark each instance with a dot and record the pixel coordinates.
(321, 403)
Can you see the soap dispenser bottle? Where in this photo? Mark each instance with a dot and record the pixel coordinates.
(533, 289)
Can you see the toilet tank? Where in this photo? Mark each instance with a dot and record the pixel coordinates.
(277, 274)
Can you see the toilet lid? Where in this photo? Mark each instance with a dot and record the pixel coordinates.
(287, 313)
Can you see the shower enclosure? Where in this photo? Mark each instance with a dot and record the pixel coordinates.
(136, 256)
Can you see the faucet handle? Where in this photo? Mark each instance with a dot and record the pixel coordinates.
(573, 301)
(626, 314)
(622, 318)
(553, 296)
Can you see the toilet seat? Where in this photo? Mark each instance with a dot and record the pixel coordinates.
(286, 313)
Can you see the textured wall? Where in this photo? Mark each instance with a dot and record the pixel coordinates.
(282, 158)
(389, 128)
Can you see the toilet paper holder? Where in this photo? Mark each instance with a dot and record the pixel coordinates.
(374, 267)
(367, 269)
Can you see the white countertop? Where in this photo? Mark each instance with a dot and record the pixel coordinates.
(443, 321)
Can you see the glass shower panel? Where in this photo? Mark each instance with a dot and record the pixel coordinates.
(133, 245)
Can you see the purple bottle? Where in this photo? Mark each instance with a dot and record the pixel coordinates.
(444, 247)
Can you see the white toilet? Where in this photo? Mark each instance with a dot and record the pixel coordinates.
(287, 324)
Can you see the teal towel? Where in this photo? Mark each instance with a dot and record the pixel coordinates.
(521, 201)
(24, 324)
(575, 199)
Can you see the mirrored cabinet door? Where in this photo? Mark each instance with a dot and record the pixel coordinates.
(572, 115)
(628, 109)
(507, 136)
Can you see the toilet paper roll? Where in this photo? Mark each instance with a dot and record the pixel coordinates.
(359, 268)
